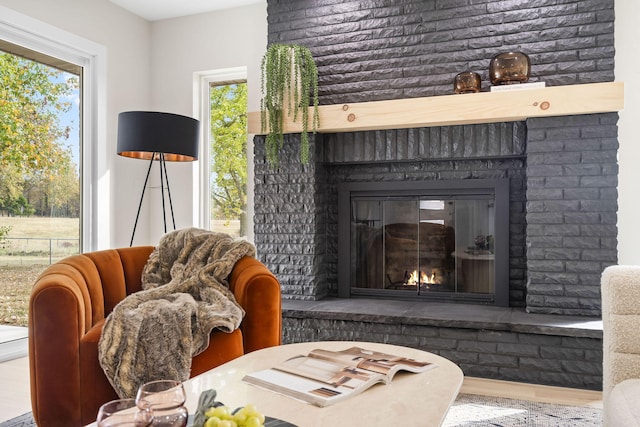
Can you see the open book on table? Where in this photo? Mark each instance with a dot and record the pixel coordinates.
(324, 377)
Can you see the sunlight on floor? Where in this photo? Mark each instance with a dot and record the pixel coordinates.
(459, 414)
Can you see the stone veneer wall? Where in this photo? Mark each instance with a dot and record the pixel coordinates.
(290, 218)
(481, 347)
(389, 49)
(572, 179)
(370, 50)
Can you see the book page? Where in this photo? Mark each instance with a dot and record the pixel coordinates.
(371, 360)
(308, 390)
(324, 377)
(327, 371)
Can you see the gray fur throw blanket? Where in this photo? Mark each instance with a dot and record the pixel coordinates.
(154, 333)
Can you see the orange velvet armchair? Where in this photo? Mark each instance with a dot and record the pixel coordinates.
(69, 304)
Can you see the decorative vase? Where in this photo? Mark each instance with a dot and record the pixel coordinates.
(466, 82)
(509, 68)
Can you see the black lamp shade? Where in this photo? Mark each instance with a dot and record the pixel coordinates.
(143, 133)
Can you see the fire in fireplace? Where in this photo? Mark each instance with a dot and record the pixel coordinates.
(429, 239)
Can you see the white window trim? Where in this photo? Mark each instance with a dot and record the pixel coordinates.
(202, 111)
(39, 36)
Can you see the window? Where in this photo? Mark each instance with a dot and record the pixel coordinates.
(225, 195)
(40, 153)
(96, 154)
(228, 158)
(25, 37)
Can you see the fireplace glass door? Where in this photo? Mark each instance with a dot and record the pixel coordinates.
(423, 244)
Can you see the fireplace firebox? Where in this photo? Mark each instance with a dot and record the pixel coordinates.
(437, 240)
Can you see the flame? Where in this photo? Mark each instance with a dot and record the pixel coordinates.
(416, 278)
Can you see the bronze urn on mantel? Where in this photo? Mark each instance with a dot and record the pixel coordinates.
(467, 82)
(509, 68)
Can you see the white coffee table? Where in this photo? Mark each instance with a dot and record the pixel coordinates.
(409, 400)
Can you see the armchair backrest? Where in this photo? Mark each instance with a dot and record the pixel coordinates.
(67, 300)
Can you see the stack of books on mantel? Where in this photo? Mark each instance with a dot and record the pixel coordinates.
(518, 86)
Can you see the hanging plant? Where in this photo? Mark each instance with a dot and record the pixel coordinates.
(289, 85)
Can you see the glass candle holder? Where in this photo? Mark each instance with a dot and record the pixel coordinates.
(467, 82)
(509, 68)
(166, 399)
(125, 413)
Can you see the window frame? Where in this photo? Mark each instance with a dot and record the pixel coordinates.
(202, 111)
(38, 36)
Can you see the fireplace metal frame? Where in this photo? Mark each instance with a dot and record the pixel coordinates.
(499, 188)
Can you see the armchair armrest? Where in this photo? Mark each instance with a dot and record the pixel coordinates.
(58, 318)
(258, 291)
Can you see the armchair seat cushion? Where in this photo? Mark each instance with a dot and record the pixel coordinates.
(223, 347)
(623, 408)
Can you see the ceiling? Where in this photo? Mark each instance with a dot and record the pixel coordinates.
(154, 10)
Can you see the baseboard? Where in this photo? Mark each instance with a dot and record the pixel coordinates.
(13, 342)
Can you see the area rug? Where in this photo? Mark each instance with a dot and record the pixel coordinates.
(472, 410)
(25, 420)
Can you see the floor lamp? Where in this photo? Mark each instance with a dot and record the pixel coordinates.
(165, 137)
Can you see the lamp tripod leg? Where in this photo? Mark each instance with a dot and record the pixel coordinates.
(162, 179)
(144, 187)
(166, 177)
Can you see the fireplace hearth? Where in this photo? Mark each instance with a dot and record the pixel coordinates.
(442, 240)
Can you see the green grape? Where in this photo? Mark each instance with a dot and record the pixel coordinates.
(222, 416)
(222, 412)
(240, 417)
(209, 412)
(251, 409)
(253, 421)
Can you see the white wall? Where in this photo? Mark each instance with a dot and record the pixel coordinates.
(127, 39)
(627, 34)
(194, 44)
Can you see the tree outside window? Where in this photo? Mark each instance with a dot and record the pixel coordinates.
(228, 158)
(39, 175)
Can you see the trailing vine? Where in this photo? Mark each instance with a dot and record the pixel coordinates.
(289, 82)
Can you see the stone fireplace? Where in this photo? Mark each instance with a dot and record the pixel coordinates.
(561, 174)
(562, 171)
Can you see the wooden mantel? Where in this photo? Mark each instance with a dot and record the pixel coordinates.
(446, 110)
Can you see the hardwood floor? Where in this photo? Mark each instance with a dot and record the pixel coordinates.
(533, 392)
(15, 399)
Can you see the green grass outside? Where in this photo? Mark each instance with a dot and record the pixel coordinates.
(25, 254)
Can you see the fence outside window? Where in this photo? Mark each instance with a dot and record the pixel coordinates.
(36, 250)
